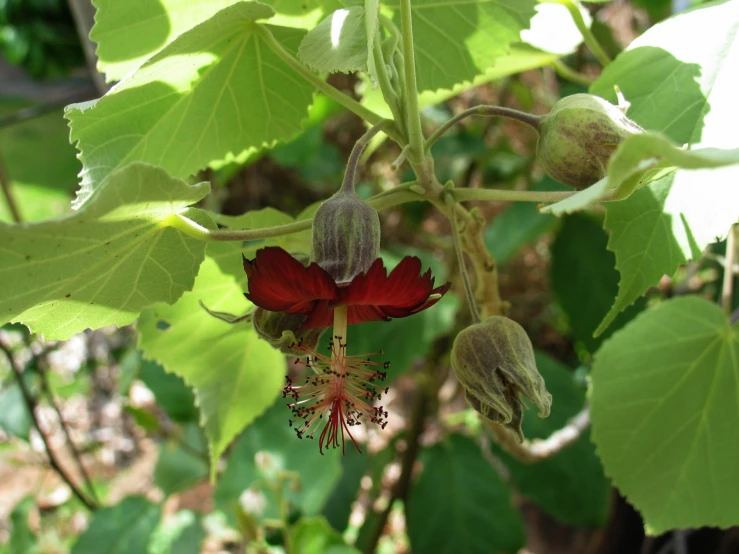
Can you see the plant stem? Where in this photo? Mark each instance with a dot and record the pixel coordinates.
(352, 166)
(531, 452)
(349, 103)
(340, 324)
(497, 195)
(393, 197)
(727, 289)
(566, 72)
(31, 406)
(70, 443)
(460, 259)
(412, 112)
(8, 193)
(573, 6)
(531, 120)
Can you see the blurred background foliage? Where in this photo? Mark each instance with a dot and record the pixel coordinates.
(136, 426)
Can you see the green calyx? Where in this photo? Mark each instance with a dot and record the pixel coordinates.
(346, 236)
(494, 362)
(281, 330)
(579, 136)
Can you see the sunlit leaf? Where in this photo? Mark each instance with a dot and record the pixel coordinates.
(102, 264)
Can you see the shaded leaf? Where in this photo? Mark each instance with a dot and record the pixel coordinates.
(665, 414)
(170, 391)
(314, 535)
(460, 504)
(178, 468)
(456, 40)
(570, 485)
(337, 44)
(121, 529)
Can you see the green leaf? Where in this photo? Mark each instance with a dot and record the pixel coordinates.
(102, 264)
(337, 44)
(15, 419)
(178, 468)
(457, 40)
(182, 533)
(145, 419)
(314, 535)
(460, 504)
(641, 158)
(157, 24)
(581, 262)
(236, 376)
(521, 57)
(571, 485)
(22, 539)
(216, 90)
(281, 450)
(121, 529)
(170, 391)
(665, 414)
(520, 224)
(371, 17)
(684, 89)
(354, 465)
(41, 190)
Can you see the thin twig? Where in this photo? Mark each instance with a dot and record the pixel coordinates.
(31, 405)
(70, 443)
(8, 193)
(533, 121)
(474, 310)
(727, 290)
(539, 450)
(402, 486)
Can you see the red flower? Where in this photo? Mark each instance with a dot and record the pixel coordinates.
(280, 283)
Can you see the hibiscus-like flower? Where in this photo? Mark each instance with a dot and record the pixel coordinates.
(280, 283)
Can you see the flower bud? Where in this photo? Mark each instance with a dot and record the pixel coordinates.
(346, 236)
(279, 329)
(579, 136)
(494, 362)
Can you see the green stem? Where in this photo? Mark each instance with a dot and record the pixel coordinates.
(352, 166)
(349, 103)
(412, 112)
(573, 6)
(566, 72)
(531, 120)
(474, 310)
(8, 194)
(389, 199)
(464, 195)
(727, 289)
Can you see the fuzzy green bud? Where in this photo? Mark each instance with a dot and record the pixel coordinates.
(281, 331)
(494, 362)
(579, 136)
(346, 236)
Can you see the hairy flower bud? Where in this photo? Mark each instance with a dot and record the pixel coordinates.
(579, 136)
(279, 329)
(494, 362)
(346, 236)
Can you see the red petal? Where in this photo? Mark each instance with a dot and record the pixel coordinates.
(280, 283)
(401, 292)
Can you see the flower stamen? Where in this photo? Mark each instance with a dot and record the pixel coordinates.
(341, 387)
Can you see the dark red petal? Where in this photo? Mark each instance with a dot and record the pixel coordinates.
(403, 288)
(321, 315)
(363, 314)
(280, 283)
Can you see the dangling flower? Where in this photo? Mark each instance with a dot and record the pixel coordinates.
(279, 282)
(339, 394)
